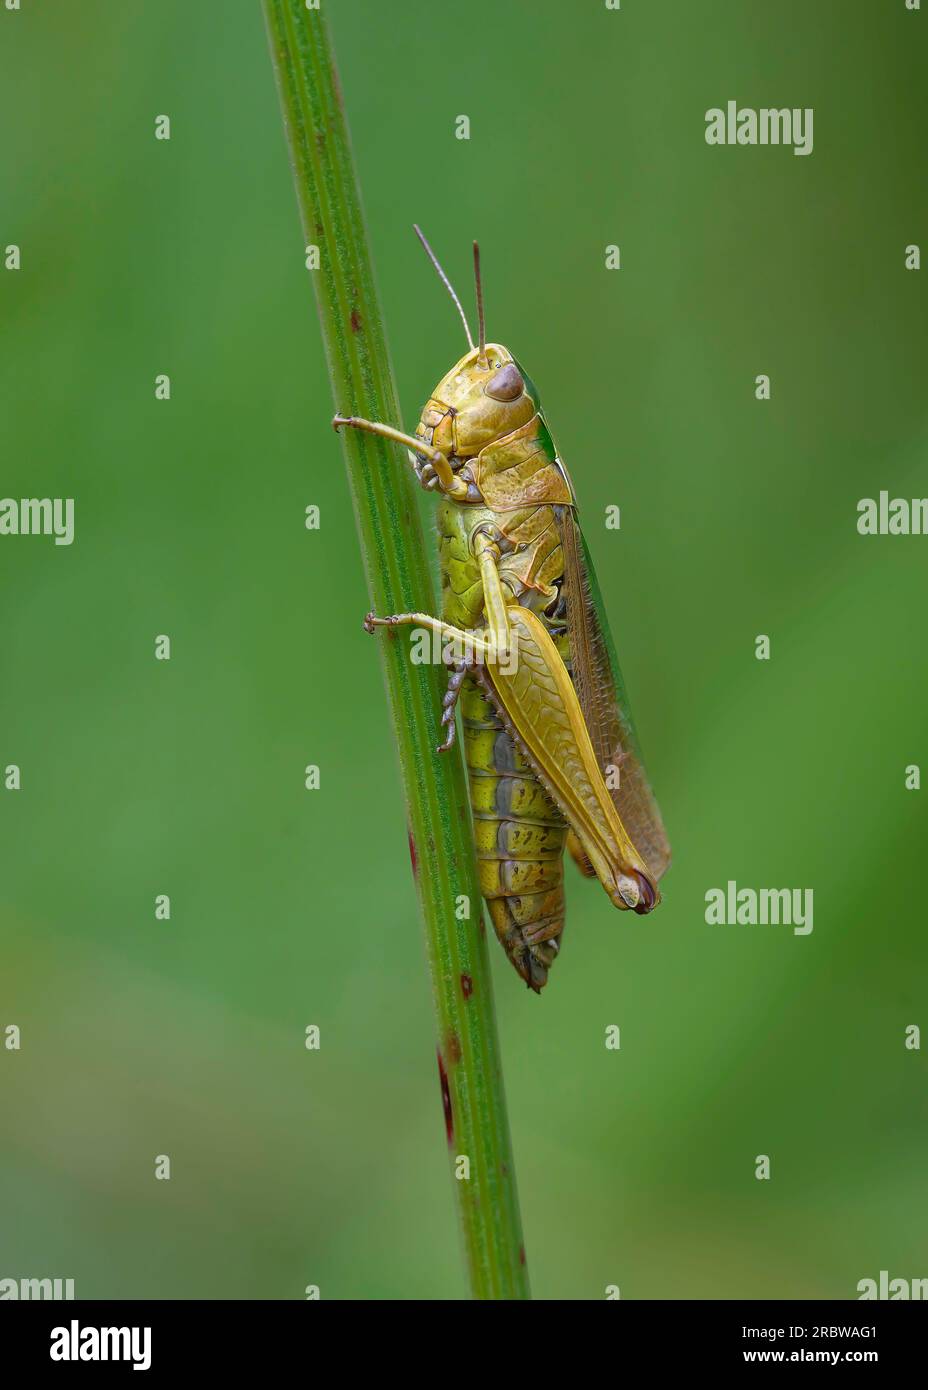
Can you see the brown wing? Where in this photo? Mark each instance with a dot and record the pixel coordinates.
(604, 702)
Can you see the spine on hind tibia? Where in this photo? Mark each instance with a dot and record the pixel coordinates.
(519, 835)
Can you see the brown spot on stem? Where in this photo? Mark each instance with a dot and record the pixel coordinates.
(355, 321)
(413, 855)
(521, 1254)
(446, 1100)
(454, 1048)
(467, 986)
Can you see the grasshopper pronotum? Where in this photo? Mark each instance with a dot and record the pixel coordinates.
(550, 746)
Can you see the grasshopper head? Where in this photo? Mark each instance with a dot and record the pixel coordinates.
(481, 399)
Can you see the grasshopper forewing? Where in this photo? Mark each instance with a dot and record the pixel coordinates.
(550, 745)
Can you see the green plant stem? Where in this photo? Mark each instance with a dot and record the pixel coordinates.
(398, 579)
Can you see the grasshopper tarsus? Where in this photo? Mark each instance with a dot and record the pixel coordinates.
(456, 679)
(448, 718)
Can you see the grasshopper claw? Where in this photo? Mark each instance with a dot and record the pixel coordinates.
(394, 620)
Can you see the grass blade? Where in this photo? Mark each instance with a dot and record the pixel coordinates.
(398, 578)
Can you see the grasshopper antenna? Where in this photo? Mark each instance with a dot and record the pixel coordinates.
(446, 282)
(482, 354)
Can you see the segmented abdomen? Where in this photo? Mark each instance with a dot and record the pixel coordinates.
(519, 835)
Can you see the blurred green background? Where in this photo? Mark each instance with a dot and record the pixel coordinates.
(185, 777)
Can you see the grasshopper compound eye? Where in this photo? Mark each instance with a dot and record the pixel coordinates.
(506, 385)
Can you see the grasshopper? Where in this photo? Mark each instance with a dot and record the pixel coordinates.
(551, 750)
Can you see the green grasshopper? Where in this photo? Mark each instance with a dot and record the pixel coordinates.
(550, 746)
